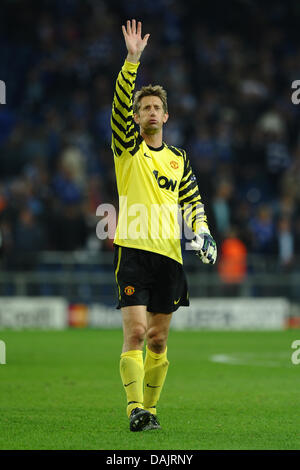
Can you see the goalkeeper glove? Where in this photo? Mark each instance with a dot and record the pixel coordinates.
(205, 247)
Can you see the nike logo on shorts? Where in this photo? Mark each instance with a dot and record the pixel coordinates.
(176, 301)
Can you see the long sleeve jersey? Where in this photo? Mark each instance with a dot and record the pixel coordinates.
(156, 186)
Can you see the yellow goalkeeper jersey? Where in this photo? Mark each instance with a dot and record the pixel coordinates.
(156, 186)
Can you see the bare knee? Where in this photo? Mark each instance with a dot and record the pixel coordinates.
(134, 337)
(157, 340)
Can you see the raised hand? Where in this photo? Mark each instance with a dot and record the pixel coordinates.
(133, 39)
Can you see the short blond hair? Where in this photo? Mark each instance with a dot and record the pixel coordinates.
(150, 90)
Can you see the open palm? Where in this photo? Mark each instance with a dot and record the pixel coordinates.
(133, 38)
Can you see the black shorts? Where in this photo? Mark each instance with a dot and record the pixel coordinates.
(151, 279)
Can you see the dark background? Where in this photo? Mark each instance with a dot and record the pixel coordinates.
(228, 69)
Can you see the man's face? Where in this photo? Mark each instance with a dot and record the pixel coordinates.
(151, 115)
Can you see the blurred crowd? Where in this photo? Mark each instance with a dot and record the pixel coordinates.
(228, 73)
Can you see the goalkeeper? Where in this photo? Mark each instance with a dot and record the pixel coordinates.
(148, 269)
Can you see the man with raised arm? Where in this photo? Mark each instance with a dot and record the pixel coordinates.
(153, 179)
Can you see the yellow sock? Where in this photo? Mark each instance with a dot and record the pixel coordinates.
(156, 368)
(132, 374)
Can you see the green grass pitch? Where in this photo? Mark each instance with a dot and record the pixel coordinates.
(62, 390)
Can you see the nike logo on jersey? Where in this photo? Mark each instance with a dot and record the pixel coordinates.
(176, 301)
(153, 386)
(147, 155)
(126, 385)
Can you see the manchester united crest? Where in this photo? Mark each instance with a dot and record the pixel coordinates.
(129, 290)
(174, 165)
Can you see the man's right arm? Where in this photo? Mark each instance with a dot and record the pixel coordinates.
(122, 123)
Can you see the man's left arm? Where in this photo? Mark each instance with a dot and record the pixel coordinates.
(194, 215)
